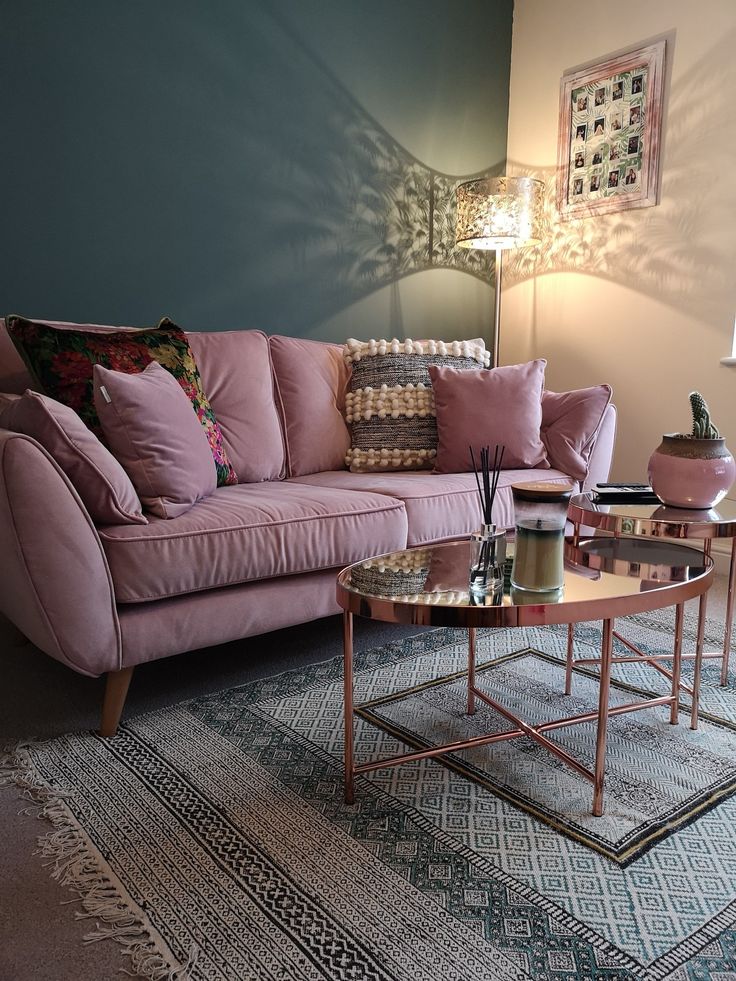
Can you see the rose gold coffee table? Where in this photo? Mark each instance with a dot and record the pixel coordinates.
(660, 521)
(604, 578)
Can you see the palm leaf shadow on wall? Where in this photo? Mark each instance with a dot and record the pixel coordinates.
(336, 208)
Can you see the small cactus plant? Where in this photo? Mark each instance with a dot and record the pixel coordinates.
(703, 428)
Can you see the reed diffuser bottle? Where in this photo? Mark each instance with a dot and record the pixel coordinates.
(488, 545)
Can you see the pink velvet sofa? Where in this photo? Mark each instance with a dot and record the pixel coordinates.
(249, 559)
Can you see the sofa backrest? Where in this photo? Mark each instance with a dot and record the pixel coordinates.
(14, 377)
(279, 401)
(601, 457)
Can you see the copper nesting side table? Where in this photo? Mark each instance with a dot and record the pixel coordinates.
(661, 521)
(604, 578)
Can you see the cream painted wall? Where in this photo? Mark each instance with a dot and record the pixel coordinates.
(644, 299)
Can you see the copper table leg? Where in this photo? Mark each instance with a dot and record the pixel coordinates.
(347, 640)
(677, 664)
(699, 641)
(471, 670)
(729, 614)
(571, 626)
(520, 727)
(603, 695)
(653, 660)
(569, 659)
(699, 644)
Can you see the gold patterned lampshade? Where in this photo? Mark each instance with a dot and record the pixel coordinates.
(499, 213)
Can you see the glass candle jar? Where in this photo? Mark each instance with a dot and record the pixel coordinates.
(540, 514)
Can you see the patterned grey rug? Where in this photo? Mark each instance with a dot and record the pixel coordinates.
(211, 840)
(658, 776)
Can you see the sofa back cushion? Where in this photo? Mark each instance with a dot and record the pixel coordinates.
(237, 375)
(311, 379)
(149, 425)
(570, 424)
(61, 361)
(95, 474)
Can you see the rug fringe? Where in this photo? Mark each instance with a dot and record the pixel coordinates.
(74, 865)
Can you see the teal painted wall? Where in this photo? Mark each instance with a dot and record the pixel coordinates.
(237, 164)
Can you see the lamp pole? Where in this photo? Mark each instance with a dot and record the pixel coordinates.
(497, 313)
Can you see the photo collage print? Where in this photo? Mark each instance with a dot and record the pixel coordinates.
(608, 118)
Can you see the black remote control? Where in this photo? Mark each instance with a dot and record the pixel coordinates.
(625, 487)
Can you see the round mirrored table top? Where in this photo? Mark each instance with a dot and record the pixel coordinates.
(655, 520)
(603, 578)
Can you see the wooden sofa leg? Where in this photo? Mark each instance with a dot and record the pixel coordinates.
(116, 690)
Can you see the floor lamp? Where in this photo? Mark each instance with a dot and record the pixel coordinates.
(499, 213)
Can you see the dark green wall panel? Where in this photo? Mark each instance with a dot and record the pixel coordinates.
(244, 164)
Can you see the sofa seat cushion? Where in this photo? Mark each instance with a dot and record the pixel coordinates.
(438, 506)
(249, 532)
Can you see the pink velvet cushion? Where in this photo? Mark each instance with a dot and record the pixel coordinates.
(152, 429)
(482, 408)
(570, 423)
(95, 474)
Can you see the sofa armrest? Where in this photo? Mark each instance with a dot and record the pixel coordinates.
(55, 584)
(601, 456)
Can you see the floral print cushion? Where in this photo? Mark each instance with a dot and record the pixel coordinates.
(61, 360)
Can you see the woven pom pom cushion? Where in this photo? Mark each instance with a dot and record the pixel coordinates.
(390, 406)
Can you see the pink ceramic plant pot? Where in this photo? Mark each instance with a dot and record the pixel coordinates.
(691, 473)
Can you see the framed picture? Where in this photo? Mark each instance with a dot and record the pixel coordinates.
(609, 136)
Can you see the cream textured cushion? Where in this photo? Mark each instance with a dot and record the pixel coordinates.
(390, 405)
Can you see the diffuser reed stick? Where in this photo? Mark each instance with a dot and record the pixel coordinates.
(489, 475)
(489, 545)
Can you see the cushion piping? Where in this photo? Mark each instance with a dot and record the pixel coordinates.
(396, 504)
